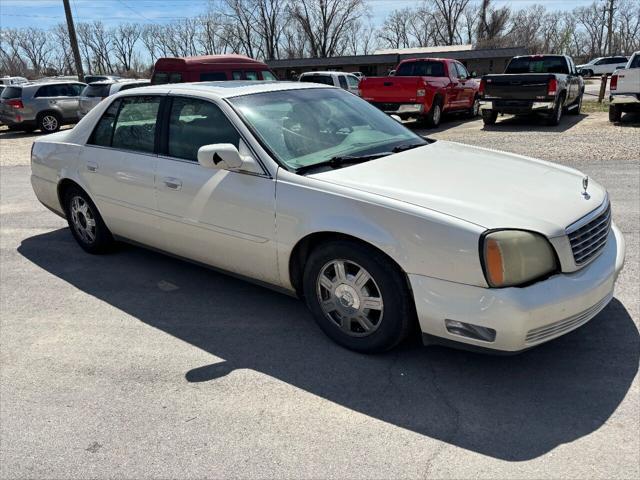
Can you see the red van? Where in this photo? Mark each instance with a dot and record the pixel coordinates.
(209, 68)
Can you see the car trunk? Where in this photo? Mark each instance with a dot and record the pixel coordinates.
(528, 86)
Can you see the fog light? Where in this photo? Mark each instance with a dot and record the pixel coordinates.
(468, 330)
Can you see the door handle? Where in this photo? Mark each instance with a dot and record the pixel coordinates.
(92, 166)
(172, 183)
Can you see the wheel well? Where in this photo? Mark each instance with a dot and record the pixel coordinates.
(63, 186)
(305, 246)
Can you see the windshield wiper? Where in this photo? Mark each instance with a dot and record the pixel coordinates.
(402, 148)
(340, 161)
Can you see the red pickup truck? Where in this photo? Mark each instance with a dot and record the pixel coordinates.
(424, 88)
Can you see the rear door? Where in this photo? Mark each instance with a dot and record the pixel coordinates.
(218, 217)
(118, 166)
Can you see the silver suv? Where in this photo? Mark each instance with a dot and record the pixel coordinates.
(43, 106)
(95, 92)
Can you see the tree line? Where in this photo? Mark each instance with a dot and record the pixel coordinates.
(276, 29)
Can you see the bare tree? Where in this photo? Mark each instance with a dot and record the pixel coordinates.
(396, 29)
(11, 60)
(325, 23)
(36, 46)
(450, 11)
(492, 24)
(124, 39)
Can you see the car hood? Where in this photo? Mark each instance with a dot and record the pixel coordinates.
(489, 188)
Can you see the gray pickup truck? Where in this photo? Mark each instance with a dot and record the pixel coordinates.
(533, 84)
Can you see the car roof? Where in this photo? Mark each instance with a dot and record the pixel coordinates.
(325, 72)
(226, 89)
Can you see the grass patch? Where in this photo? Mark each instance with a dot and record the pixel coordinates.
(590, 107)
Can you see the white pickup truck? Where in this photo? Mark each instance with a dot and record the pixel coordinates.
(625, 89)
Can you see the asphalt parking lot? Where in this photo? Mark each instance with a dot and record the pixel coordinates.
(137, 365)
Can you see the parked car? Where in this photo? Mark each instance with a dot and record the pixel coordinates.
(542, 84)
(346, 81)
(314, 191)
(6, 80)
(602, 66)
(95, 92)
(209, 68)
(424, 88)
(44, 106)
(625, 89)
(100, 78)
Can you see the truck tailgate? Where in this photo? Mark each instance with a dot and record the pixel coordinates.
(391, 89)
(528, 86)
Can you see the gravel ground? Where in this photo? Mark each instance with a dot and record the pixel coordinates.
(137, 365)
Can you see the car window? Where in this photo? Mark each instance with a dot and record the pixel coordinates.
(11, 92)
(75, 89)
(160, 78)
(103, 131)
(537, 64)
(421, 69)
(267, 75)
(635, 63)
(194, 123)
(136, 124)
(462, 72)
(236, 75)
(175, 78)
(353, 81)
(343, 82)
(307, 126)
(324, 79)
(96, 91)
(213, 76)
(127, 86)
(602, 61)
(251, 75)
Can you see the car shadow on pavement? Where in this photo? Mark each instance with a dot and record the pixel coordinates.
(509, 407)
(533, 123)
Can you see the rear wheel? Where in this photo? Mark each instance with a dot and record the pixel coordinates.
(489, 117)
(556, 115)
(49, 122)
(433, 118)
(615, 113)
(85, 222)
(577, 106)
(358, 296)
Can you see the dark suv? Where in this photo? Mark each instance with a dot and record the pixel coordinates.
(43, 106)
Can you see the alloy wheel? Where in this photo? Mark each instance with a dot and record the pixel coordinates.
(83, 219)
(49, 123)
(350, 297)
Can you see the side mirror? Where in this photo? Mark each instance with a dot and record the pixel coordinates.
(220, 155)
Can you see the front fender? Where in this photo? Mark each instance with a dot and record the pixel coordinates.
(420, 241)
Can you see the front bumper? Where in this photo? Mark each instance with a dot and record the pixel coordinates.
(522, 317)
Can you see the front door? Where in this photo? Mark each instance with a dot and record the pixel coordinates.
(219, 217)
(118, 166)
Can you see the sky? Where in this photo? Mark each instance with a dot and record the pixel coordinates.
(46, 13)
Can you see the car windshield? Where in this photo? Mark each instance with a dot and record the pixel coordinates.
(537, 65)
(311, 126)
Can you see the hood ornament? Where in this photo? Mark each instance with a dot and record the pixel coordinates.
(585, 185)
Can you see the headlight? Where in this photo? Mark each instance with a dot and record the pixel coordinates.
(516, 257)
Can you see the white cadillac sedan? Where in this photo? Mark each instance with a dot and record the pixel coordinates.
(310, 189)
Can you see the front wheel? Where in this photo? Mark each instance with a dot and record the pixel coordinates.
(85, 222)
(615, 113)
(489, 117)
(358, 296)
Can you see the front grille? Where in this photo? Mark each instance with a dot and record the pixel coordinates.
(588, 239)
(555, 329)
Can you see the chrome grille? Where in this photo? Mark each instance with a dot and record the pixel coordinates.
(562, 326)
(588, 239)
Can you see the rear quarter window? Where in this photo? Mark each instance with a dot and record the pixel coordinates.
(11, 92)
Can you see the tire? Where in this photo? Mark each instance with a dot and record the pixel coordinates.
(474, 111)
(337, 300)
(49, 122)
(556, 114)
(578, 102)
(85, 222)
(615, 113)
(434, 117)
(588, 73)
(489, 117)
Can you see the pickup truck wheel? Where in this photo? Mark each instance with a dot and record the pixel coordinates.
(85, 222)
(615, 113)
(556, 115)
(474, 111)
(577, 106)
(432, 119)
(489, 117)
(358, 296)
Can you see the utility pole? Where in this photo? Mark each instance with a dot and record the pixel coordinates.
(73, 40)
(610, 27)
